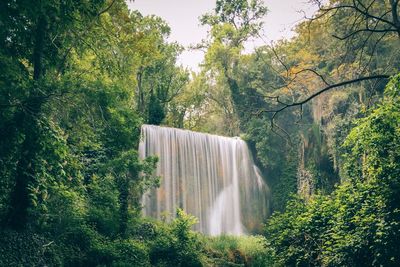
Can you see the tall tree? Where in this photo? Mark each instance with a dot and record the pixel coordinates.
(36, 37)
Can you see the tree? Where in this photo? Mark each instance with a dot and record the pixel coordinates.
(232, 24)
(35, 39)
(322, 82)
(67, 108)
(362, 29)
(157, 76)
(358, 223)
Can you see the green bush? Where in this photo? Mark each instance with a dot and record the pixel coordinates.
(78, 241)
(27, 249)
(83, 246)
(176, 244)
(359, 223)
(119, 252)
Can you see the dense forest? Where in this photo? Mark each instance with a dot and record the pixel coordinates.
(320, 112)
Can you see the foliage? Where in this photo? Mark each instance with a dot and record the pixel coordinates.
(126, 252)
(83, 246)
(358, 224)
(70, 124)
(176, 244)
(79, 78)
(26, 248)
(237, 251)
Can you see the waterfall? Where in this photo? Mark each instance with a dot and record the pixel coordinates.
(211, 177)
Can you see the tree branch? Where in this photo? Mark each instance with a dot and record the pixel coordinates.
(309, 98)
(107, 8)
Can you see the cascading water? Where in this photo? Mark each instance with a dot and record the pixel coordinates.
(211, 177)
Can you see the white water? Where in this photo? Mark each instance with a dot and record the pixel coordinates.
(211, 177)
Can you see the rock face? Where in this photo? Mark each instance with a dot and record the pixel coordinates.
(211, 177)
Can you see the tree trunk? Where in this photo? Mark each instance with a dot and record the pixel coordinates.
(20, 203)
(123, 206)
(140, 93)
(38, 50)
(395, 16)
(18, 214)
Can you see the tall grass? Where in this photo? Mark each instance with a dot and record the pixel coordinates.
(228, 250)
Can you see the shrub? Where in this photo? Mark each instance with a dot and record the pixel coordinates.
(27, 249)
(176, 244)
(358, 224)
(120, 252)
(86, 247)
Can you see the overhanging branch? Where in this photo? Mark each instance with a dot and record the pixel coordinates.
(314, 95)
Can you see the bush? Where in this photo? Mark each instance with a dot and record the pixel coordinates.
(119, 252)
(358, 224)
(176, 244)
(27, 249)
(86, 247)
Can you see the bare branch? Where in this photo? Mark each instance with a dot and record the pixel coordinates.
(107, 8)
(302, 102)
(280, 60)
(363, 30)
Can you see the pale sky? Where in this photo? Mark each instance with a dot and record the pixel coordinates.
(182, 16)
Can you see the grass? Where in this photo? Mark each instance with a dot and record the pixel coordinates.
(228, 250)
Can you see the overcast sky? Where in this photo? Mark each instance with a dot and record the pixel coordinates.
(182, 16)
